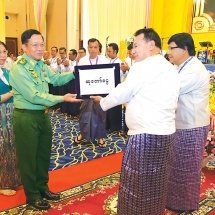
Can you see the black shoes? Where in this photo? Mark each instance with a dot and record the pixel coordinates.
(40, 204)
(50, 195)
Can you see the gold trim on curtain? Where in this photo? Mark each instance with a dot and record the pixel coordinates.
(40, 8)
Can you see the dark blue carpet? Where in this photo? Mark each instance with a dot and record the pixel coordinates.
(66, 153)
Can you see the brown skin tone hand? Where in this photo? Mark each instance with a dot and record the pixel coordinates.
(96, 99)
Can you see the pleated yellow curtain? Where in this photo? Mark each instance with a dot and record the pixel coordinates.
(72, 24)
(2, 21)
(40, 8)
(113, 19)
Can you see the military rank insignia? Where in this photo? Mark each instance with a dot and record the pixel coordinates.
(22, 61)
(33, 73)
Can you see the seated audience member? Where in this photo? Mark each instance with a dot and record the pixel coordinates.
(52, 62)
(129, 61)
(63, 67)
(9, 61)
(114, 115)
(81, 53)
(46, 55)
(72, 109)
(72, 58)
(62, 61)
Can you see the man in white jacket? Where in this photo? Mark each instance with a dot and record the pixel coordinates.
(192, 125)
(151, 92)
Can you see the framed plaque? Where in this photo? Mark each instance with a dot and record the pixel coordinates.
(96, 80)
(203, 56)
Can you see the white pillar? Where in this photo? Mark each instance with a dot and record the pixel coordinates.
(72, 24)
(85, 31)
(2, 21)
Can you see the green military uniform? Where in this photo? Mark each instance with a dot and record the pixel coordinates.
(33, 133)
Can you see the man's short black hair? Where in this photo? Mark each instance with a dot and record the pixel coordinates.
(149, 34)
(82, 48)
(74, 52)
(114, 46)
(92, 40)
(62, 48)
(183, 41)
(26, 35)
(130, 46)
(54, 47)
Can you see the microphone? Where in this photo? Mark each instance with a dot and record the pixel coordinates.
(107, 37)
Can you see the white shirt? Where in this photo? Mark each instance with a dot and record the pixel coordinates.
(72, 64)
(53, 64)
(19, 57)
(193, 104)
(61, 68)
(8, 63)
(151, 92)
(130, 61)
(100, 59)
(122, 74)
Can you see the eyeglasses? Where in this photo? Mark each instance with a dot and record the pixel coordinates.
(172, 47)
(37, 45)
(4, 52)
(81, 52)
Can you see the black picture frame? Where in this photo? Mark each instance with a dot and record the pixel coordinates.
(202, 56)
(79, 69)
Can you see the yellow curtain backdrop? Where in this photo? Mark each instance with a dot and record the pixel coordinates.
(169, 17)
(2, 20)
(116, 19)
(40, 8)
(72, 24)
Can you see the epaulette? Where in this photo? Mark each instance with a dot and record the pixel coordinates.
(22, 61)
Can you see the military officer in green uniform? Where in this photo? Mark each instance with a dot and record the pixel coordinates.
(29, 78)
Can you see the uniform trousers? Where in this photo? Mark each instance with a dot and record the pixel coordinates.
(33, 139)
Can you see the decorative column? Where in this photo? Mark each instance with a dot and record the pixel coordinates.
(2, 21)
(73, 24)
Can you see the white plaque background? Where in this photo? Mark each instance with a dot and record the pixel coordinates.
(95, 75)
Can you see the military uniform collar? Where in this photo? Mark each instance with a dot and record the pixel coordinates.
(31, 61)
